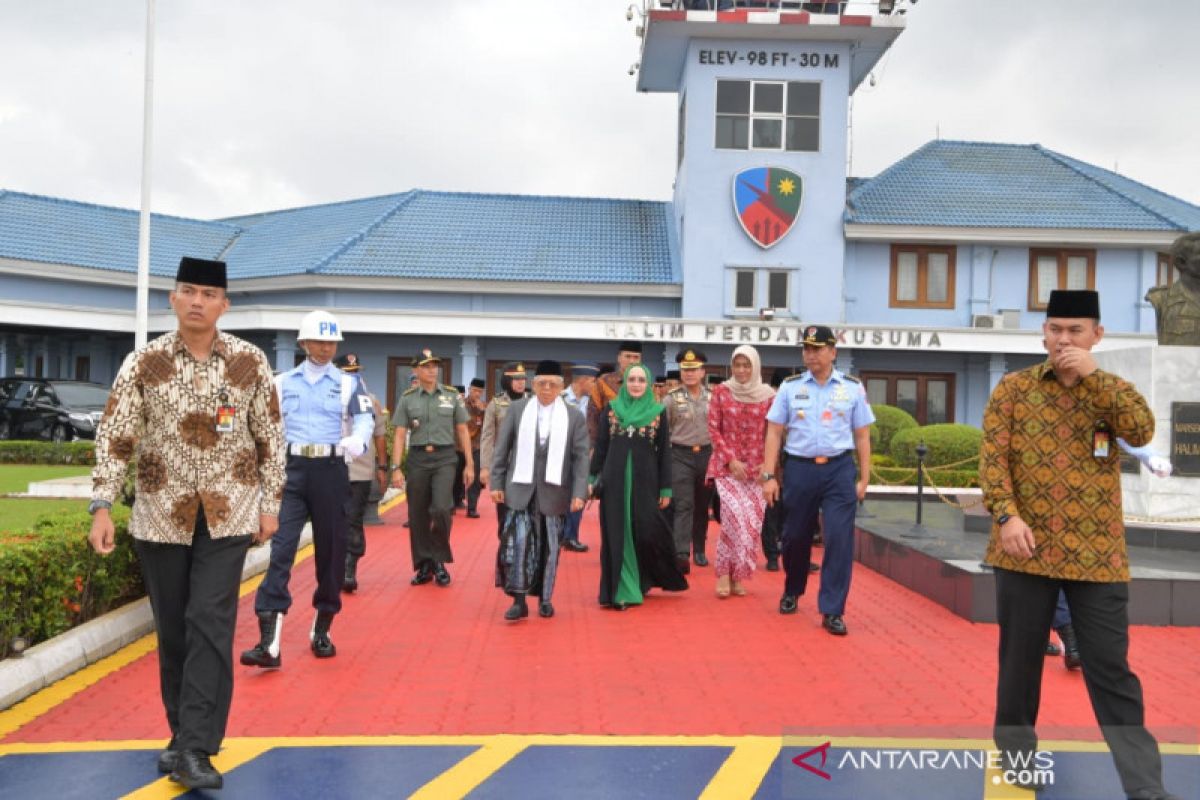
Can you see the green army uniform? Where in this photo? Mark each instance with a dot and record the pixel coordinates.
(430, 418)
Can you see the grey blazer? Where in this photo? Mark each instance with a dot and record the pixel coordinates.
(552, 501)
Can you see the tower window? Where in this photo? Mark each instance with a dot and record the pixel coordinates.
(768, 115)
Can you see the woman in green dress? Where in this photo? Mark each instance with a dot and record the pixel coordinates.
(631, 465)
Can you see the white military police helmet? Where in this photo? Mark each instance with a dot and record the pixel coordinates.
(319, 326)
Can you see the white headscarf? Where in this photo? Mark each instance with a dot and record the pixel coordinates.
(753, 390)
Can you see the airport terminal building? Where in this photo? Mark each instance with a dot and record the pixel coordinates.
(934, 273)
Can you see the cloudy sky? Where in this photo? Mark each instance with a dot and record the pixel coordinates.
(277, 103)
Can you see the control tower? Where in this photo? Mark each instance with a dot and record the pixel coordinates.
(760, 183)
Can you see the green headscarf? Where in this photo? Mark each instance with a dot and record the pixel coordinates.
(636, 412)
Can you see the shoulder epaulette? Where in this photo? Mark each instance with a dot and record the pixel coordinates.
(793, 377)
(851, 378)
(410, 390)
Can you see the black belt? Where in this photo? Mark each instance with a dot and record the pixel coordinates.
(694, 448)
(820, 459)
(431, 448)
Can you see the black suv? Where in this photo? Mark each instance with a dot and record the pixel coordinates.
(46, 408)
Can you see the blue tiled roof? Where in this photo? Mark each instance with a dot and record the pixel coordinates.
(53, 231)
(515, 238)
(985, 185)
(416, 234)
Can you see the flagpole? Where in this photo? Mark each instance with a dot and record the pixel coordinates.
(142, 319)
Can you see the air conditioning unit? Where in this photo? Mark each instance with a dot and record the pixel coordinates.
(987, 320)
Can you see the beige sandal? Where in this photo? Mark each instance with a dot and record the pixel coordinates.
(723, 586)
(739, 589)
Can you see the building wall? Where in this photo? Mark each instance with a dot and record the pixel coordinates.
(712, 240)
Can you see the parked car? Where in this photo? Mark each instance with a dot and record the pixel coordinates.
(47, 408)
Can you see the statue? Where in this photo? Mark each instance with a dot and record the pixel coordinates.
(1177, 307)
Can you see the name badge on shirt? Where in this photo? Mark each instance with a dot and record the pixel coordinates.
(1101, 440)
(226, 416)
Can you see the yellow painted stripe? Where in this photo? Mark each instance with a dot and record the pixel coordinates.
(388, 505)
(570, 740)
(59, 692)
(994, 788)
(743, 772)
(463, 777)
(45, 700)
(232, 755)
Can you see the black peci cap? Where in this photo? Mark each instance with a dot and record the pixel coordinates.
(201, 272)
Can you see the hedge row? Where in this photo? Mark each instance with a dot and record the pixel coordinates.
(23, 452)
(948, 443)
(51, 580)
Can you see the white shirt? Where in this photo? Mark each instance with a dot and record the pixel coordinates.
(543, 425)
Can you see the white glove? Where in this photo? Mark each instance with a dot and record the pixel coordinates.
(353, 447)
(1160, 466)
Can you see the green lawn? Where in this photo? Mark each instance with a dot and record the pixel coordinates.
(17, 477)
(19, 513)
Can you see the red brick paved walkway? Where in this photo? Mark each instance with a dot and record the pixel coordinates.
(427, 660)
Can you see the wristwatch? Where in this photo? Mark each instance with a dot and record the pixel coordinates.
(383, 468)
(1003, 518)
(766, 476)
(96, 505)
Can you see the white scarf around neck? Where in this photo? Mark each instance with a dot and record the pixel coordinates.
(527, 442)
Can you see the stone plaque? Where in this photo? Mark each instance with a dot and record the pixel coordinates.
(1185, 439)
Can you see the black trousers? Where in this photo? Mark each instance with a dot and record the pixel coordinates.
(459, 489)
(772, 528)
(1025, 607)
(430, 504)
(476, 487)
(193, 592)
(316, 489)
(356, 509)
(689, 498)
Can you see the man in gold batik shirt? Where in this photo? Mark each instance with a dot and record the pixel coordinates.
(1050, 475)
(196, 410)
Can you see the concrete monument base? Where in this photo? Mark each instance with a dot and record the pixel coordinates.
(1163, 374)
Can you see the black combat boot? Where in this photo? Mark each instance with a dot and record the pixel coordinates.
(1070, 646)
(322, 646)
(350, 580)
(518, 610)
(266, 653)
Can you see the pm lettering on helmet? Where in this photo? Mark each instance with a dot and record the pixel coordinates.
(328, 328)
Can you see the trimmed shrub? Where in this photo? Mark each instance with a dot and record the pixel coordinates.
(51, 580)
(23, 452)
(881, 460)
(889, 421)
(948, 443)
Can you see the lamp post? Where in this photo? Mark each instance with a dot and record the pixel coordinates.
(917, 531)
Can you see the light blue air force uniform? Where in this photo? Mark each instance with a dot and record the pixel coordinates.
(317, 486)
(819, 478)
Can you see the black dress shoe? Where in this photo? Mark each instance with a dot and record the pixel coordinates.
(424, 575)
(787, 604)
(440, 574)
(406, 523)
(1052, 649)
(701, 560)
(545, 609)
(683, 565)
(834, 624)
(814, 567)
(620, 606)
(167, 760)
(516, 611)
(195, 771)
(472, 514)
(575, 546)
(772, 563)
(322, 645)
(350, 579)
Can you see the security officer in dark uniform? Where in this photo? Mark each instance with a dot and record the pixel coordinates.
(825, 418)
(318, 400)
(433, 418)
(691, 448)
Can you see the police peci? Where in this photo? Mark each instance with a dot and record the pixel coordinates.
(432, 417)
(328, 421)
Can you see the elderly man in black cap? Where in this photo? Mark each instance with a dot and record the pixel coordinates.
(431, 417)
(366, 471)
(539, 472)
(578, 395)
(199, 410)
(691, 448)
(1050, 475)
